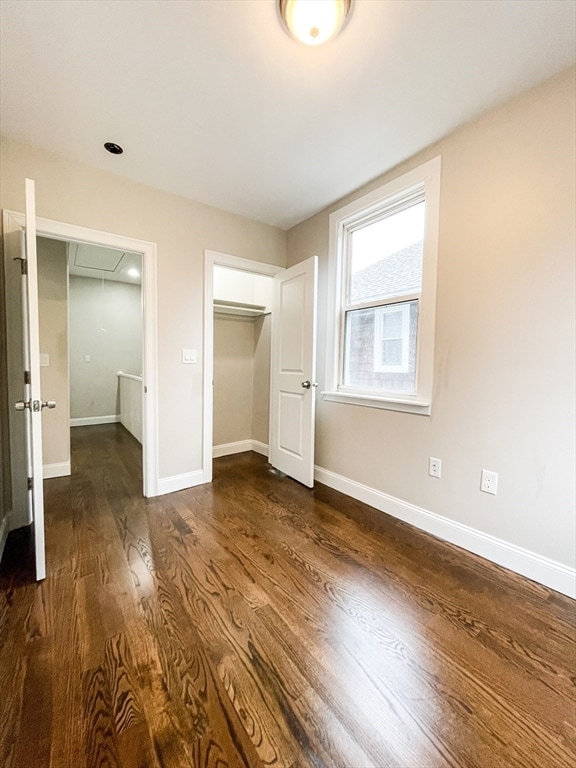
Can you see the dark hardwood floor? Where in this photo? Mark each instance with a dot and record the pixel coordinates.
(253, 622)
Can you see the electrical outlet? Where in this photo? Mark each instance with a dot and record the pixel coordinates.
(489, 481)
(435, 467)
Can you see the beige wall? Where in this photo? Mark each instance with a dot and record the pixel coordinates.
(106, 326)
(53, 322)
(76, 194)
(504, 357)
(233, 378)
(241, 379)
(261, 385)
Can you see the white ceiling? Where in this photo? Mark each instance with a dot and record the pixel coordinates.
(212, 100)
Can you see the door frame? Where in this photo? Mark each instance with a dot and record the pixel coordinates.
(14, 222)
(211, 260)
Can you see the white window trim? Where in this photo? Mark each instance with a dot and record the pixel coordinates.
(428, 177)
(381, 312)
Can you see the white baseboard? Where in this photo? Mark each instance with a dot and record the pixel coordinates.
(56, 470)
(89, 421)
(259, 447)
(227, 449)
(179, 482)
(4, 530)
(541, 569)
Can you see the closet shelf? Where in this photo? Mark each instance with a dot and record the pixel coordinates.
(238, 308)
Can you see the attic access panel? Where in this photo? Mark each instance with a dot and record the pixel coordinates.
(95, 257)
(101, 262)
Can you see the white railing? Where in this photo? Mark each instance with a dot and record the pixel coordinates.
(131, 403)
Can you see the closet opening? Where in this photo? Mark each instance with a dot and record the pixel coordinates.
(238, 307)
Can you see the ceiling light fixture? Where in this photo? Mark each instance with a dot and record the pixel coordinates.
(314, 22)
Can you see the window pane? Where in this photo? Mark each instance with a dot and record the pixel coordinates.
(392, 338)
(391, 352)
(386, 256)
(392, 324)
(380, 348)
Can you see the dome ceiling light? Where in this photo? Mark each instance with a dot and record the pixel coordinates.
(314, 22)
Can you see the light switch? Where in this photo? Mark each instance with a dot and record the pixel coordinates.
(44, 359)
(188, 355)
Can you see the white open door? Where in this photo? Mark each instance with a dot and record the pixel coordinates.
(31, 405)
(293, 376)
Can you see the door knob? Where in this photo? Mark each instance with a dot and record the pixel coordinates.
(36, 406)
(306, 385)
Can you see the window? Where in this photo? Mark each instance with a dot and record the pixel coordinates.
(383, 283)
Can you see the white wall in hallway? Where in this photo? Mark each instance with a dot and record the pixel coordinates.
(105, 337)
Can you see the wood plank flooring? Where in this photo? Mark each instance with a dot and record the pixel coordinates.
(253, 622)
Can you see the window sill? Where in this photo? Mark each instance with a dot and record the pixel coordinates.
(373, 401)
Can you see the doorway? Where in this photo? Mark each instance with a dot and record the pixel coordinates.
(90, 319)
(52, 230)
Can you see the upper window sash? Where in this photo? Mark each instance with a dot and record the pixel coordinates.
(400, 202)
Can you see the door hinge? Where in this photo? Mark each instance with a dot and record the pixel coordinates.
(26, 377)
(23, 264)
(30, 483)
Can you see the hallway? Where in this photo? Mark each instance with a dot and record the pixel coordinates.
(253, 622)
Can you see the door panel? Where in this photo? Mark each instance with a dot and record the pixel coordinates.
(292, 406)
(290, 417)
(14, 250)
(34, 411)
(24, 374)
(293, 311)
